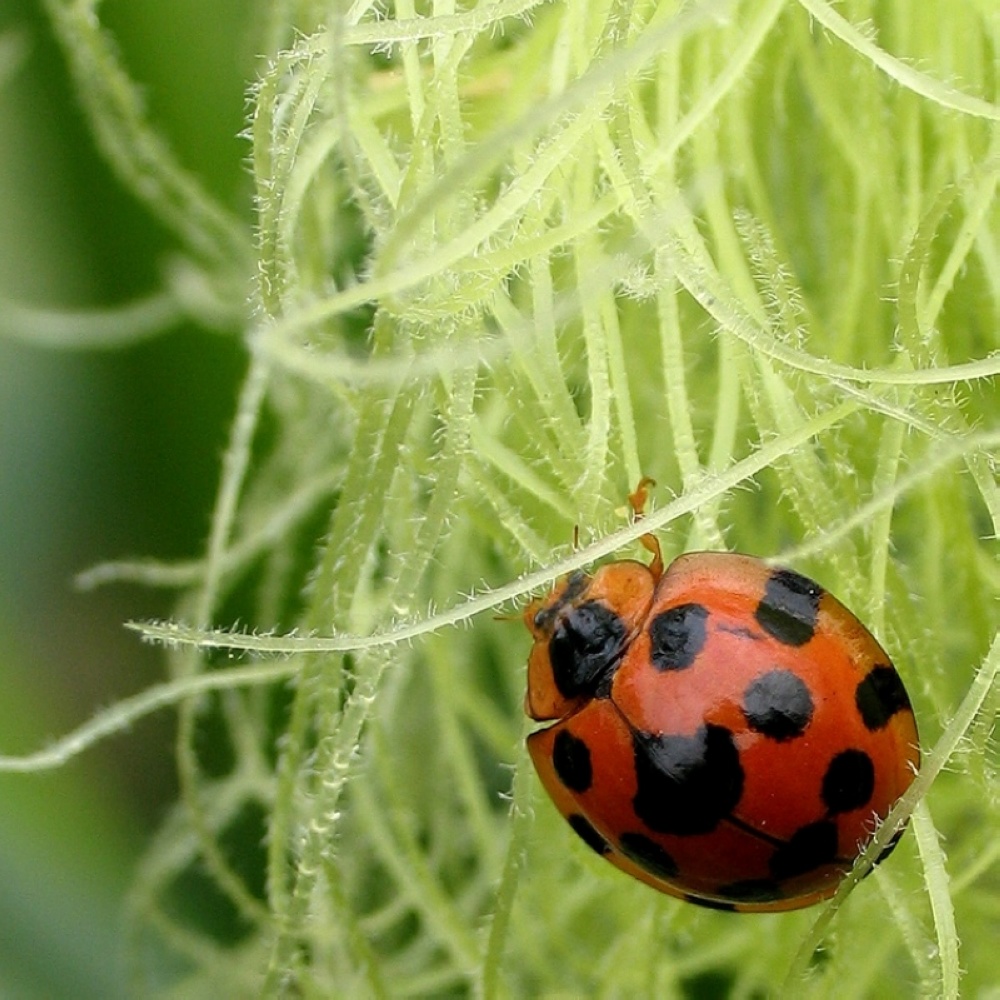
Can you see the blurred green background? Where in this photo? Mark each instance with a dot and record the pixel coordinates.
(102, 455)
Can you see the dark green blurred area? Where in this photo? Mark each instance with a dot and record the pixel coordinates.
(102, 455)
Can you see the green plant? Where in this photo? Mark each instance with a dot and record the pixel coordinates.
(508, 259)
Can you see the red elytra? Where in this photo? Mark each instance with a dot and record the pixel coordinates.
(725, 731)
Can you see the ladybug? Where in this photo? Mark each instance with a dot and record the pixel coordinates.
(723, 730)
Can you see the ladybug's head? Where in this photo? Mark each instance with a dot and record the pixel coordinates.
(581, 631)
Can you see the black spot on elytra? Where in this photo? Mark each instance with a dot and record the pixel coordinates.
(889, 848)
(778, 704)
(586, 643)
(582, 828)
(789, 607)
(571, 760)
(677, 636)
(711, 904)
(687, 784)
(648, 855)
(809, 847)
(879, 696)
(756, 890)
(849, 781)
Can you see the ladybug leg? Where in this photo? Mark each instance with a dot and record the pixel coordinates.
(638, 497)
(637, 500)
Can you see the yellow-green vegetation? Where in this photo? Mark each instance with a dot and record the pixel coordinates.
(503, 259)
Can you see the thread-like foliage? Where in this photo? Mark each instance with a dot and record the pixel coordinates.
(506, 259)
